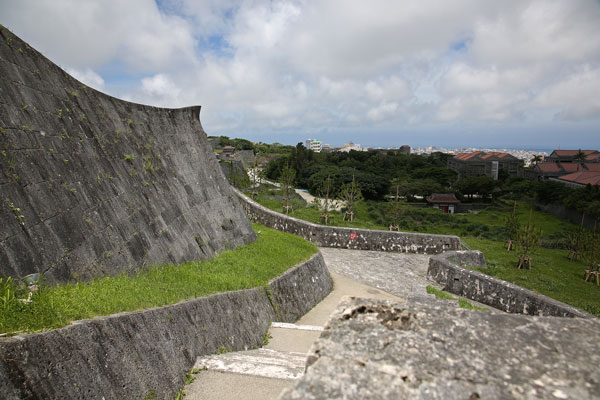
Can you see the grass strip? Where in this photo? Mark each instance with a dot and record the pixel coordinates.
(462, 302)
(552, 274)
(245, 267)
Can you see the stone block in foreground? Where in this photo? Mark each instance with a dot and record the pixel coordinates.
(384, 350)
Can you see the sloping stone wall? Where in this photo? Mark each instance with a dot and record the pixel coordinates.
(131, 355)
(92, 185)
(349, 238)
(492, 291)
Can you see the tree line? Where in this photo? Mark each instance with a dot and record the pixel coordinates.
(381, 175)
(375, 173)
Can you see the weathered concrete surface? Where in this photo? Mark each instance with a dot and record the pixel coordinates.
(92, 185)
(350, 238)
(492, 291)
(134, 354)
(400, 274)
(383, 350)
(298, 290)
(215, 385)
(342, 286)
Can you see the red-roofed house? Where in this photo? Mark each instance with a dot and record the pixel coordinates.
(480, 163)
(592, 167)
(594, 157)
(581, 178)
(563, 162)
(568, 156)
(444, 201)
(549, 170)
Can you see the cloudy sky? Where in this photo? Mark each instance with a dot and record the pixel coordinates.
(510, 73)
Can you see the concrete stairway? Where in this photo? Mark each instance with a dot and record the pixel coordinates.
(264, 373)
(266, 363)
(261, 373)
(276, 360)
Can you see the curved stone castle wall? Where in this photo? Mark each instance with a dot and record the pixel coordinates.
(92, 185)
(349, 238)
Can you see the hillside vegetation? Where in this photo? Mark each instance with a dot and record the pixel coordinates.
(246, 267)
(411, 176)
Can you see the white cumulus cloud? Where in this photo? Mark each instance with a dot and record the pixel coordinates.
(292, 68)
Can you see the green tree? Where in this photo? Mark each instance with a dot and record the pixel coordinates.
(528, 239)
(394, 211)
(576, 240)
(580, 157)
(350, 194)
(286, 184)
(242, 144)
(325, 199)
(255, 177)
(483, 186)
(511, 228)
(591, 250)
(535, 160)
(225, 141)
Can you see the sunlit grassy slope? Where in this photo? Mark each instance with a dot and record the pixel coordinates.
(245, 267)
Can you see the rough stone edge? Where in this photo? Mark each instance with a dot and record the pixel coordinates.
(343, 321)
(289, 303)
(492, 291)
(128, 355)
(406, 242)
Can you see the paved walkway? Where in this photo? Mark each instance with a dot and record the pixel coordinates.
(335, 204)
(265, 372)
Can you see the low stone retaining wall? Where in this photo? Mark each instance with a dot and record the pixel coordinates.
(299, 289)
(349, 238)
(492, 291)
(138, 354)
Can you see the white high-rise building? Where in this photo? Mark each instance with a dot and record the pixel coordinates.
(314, 145)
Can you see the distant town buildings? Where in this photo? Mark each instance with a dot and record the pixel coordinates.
(521, 154)
(574, 168)
(480, 163)
(314, 145)
(351, 146)
(404, 149)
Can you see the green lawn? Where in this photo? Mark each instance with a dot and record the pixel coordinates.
(552, 274)
(311, 214)
(245, 267)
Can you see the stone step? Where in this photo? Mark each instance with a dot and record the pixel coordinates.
(292, 337)
(286, 325)
(265, 363)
